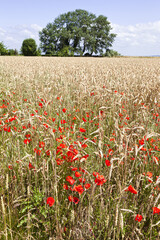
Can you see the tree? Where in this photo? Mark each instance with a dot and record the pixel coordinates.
(80, 31)
(112, 53)
(29, 47)
(12, 52)
(3, 49)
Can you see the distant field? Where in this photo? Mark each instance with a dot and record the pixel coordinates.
(79, 148)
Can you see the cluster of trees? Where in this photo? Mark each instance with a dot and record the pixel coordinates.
(77, 33)
(29, 48)
(5, 51)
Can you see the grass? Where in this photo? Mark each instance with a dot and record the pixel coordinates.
(79, 148)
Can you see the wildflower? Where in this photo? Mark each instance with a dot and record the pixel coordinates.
(138, 218)
(84, 145)
(84, 119)
(48, 153)
(74, 168)
(100, 180)
(79, 189)
(64, 110)
(26, 141)
(70, 180)
(82, 180)
(75, 200)
(156, 210)
(107, 162)
(70, 198)
(41, 144)
(50, 201)
(82, 130)
(31, 166)
(65, 186)
(78, 174)
(63, 121)
(87, 186)
(131, 189)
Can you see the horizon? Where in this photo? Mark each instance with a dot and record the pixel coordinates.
(137, 24)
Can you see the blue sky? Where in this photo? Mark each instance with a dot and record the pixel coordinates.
(136, 22)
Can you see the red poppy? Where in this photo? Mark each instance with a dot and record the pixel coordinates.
(79, 189)
(74, 168)
(82, 180)
(50, 201)
(131, 189)
(65, 186)
(64, 110)
(95, 174)
(63, 121)
(100, 180)
(78, 174)
(156, 210)
(87, 186)
(138, 218)
(41, 144)
(75, 200)
(26, 141)
(84, 145)
(70, 180)
(82, 130)
(107, 162)
(31, 166)
(70, 198)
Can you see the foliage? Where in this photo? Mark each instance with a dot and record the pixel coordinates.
(80, 30)
(12, 52)
(3, 49)
(65, 52)
(29, 47)
(112, 53)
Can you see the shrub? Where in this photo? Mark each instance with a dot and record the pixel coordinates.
(29, 47)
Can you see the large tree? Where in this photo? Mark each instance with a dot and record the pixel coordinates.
(79, 32)
(29, 47)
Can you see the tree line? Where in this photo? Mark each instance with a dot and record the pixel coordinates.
(75, 33)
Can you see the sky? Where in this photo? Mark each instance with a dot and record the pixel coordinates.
(136, 22)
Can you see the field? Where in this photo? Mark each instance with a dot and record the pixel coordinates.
(79, 148)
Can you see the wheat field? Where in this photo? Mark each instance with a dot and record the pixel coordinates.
(79, 148)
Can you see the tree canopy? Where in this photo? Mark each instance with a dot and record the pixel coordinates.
(29, 47)
(77, 32)
(3, 49)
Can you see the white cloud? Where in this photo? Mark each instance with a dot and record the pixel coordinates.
(13, 36)
(138, 39)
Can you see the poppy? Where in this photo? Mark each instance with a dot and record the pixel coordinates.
(41, 144)
(82, 180)
(75, 200)
(79, 189)
(87, 186)
(131, 189)
(26, 141)
(100, 180)
(107, 162)
(156, 210)
(50, 201)
(78, 174)
(63, 121)
(70, 198)
(31, 166)
(138, 218)
(82, 130)
(64, 110)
